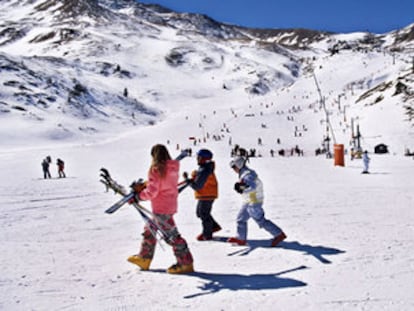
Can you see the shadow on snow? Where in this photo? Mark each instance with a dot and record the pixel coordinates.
(217, 282)
(316, 251)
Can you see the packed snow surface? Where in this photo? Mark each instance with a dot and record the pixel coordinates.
(350, 235)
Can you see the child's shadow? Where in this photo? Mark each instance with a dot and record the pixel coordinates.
(316, 251)
(217, 282)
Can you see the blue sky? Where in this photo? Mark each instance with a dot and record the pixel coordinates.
(377, 16)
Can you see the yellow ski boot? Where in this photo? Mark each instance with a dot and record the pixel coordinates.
(143, 263)
(180, 269)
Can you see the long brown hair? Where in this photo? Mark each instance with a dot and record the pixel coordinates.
(160, 155)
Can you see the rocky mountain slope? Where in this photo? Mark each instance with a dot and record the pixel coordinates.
(82, 69)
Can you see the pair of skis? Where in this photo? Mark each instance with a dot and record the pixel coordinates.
(110, 183)
(131, 197)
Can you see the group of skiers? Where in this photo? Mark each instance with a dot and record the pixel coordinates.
(60, 167)
(161, 189)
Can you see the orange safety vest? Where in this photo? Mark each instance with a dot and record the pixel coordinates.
(209, 190)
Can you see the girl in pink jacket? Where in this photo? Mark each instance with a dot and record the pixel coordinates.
(161, 190)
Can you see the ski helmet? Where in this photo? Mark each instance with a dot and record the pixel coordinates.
(238, 162)
(205, 154)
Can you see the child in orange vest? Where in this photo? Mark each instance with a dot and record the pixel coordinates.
(205, 186)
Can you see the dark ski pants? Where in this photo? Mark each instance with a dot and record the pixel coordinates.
(46, 174)
(204, 213)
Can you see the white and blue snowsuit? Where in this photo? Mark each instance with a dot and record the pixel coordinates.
(252, 205)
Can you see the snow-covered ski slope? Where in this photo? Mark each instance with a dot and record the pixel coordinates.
(350, 235)
(348, 245)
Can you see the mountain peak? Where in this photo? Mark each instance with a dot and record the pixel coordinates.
(71, 8)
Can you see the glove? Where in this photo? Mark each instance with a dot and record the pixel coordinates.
(139, 185)
(187, 179)
(240, 187)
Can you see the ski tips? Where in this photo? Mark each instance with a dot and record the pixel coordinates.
(105, 172)
(109, 211)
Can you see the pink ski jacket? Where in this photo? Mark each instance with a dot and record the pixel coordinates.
(163, 192)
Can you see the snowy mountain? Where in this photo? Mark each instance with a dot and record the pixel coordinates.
(79, 69)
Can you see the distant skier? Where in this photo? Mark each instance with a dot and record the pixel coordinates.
(45, 167)
(61, 168)
(205, 186)
(366, 159)
(251, 189)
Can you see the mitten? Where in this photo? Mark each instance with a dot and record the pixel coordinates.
(139, 185)
(240, 187)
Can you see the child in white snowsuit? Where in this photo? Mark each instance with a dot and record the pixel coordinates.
(251, 189)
